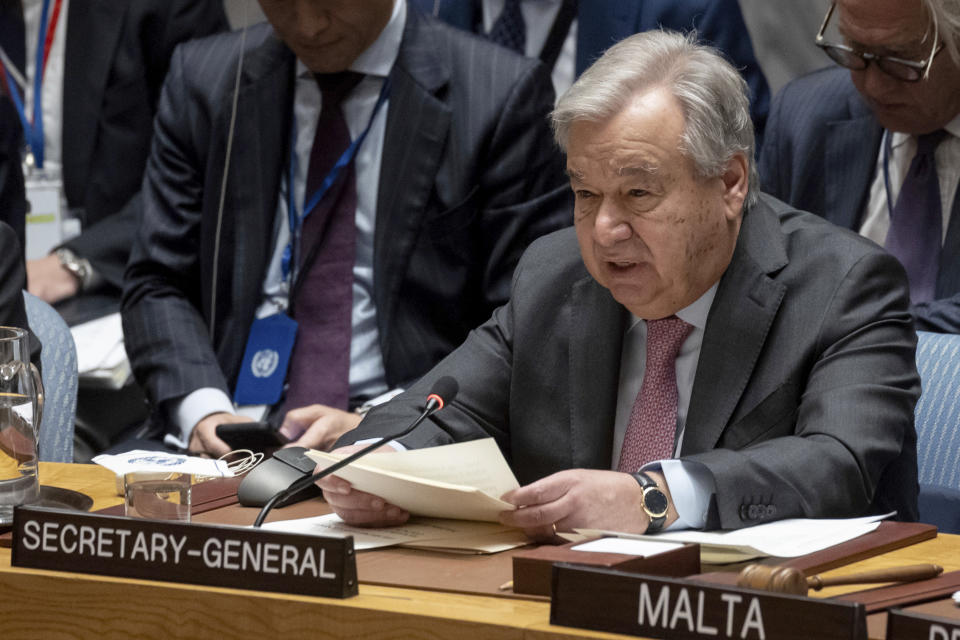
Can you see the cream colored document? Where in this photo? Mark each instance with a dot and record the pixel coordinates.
(462, 481)
(459, 536)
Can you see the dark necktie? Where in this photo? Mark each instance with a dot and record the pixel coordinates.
(12, 36)
(509, 29)
(916, 221)
(653, 419)
(323, 296)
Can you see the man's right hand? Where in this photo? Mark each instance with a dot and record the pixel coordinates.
(49, 281)
(359, 508)
(204, 438)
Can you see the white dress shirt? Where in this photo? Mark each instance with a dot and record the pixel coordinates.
(367, 375)
(691, 484)
(539, 15)
(876, 219)
(52, 87)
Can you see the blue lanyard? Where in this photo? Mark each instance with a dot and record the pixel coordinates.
(311, 201)
(887, 146)
(34, 133)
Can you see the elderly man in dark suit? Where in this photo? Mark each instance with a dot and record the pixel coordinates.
(854, 146)
(452, 175)
(710, 357)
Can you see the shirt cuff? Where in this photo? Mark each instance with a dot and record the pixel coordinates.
(389, 443)
(194, 407)
(691, 486)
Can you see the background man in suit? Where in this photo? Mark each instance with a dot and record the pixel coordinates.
(770, 352)
(567, 36)
(853, 146)
(455, 178)
(102, 79)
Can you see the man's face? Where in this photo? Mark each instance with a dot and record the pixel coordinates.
(650, 230)
(328, 35)
(900, 28)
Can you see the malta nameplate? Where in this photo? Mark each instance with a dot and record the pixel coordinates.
(656, 607)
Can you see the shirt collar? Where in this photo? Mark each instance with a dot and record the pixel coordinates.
(694, 313)
(898, 138)
(378, 58)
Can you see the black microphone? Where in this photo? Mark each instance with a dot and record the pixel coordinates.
(443, 391)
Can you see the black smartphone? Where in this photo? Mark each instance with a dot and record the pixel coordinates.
(256, 436)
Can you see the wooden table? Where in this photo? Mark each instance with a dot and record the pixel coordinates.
(51, 604)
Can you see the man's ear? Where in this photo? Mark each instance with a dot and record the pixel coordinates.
(736, 181)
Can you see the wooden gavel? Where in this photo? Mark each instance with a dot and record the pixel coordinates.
(790, 580)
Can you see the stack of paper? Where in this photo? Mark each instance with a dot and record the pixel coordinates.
(101, 358)
(462, 481)
(783, 539)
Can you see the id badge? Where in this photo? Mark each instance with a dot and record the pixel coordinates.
(44, 215)
(265, 360)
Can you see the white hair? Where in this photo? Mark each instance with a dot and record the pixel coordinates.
(712, 95)
(945, 14)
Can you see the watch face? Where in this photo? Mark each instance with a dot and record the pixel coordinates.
(654, 502)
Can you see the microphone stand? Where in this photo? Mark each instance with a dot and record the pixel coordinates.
(432, 407)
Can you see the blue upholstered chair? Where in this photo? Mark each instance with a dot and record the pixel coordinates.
(938, 430)
(59, 360)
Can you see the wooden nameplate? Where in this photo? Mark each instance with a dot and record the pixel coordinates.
(657, 607)
(942, 625)
(213, 555)
(533, 569)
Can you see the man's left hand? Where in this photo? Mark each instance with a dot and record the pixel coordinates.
(581, 498)
(317, 426)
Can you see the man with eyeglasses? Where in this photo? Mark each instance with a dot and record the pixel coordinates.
(877, 148)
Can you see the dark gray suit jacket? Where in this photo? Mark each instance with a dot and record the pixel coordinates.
(469, 177)
(820, 155)
(803, 400)
(115, 60)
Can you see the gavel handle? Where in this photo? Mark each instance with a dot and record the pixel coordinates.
(896, 574)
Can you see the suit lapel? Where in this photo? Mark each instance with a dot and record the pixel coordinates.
(746, 303)
(96, 26)
(848, 171)
(597, 324)
(257, 162)
(417, 126)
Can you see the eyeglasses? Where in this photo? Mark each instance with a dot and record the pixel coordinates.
(904, 70)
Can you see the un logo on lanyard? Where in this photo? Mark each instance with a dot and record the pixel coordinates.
(264, 363)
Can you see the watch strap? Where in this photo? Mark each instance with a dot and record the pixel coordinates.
(647, 484)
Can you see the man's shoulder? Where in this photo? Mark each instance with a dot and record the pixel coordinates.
(473, 58)
(826, 93)
(812, 237)
(225, 47)
(553, 256)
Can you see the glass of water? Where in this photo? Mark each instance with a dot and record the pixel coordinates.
(158, 495)
(21, 408)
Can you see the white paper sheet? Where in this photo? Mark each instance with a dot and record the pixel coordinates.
(454, 535)
(645, 548)
(99, 343)
(783, 539)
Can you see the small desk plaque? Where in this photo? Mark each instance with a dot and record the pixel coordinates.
(213, 555)
(532, 570)
(909, 625)
(657, 607)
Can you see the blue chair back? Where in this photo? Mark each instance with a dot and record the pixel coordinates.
(938, 429)
(59, 360)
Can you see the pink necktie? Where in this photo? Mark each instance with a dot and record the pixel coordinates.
(653, 419)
